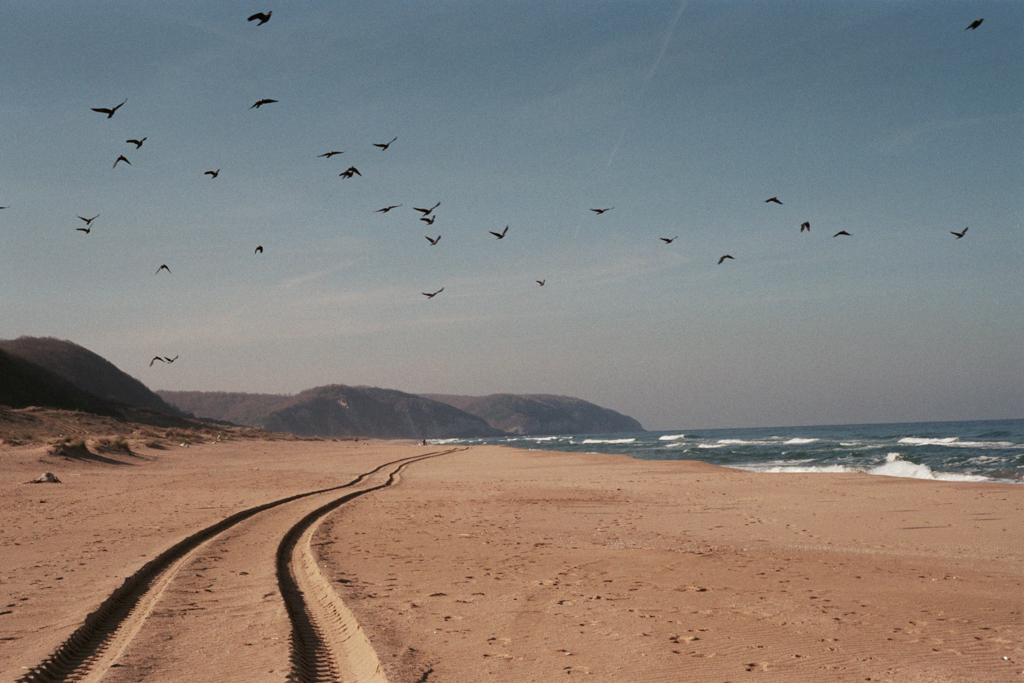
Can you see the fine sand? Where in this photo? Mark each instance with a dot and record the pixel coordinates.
(496, 564)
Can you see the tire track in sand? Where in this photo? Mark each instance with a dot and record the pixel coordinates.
(327, 642)
(107, 633)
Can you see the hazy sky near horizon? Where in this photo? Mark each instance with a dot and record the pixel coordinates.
(885, 119)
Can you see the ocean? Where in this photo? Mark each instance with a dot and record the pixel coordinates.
(988, 450)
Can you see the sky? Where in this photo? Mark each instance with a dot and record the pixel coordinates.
(887, 119)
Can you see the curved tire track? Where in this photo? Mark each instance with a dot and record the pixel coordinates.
(105, 633)
(327, 641)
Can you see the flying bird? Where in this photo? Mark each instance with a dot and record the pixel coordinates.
(975, 24)
(263, 17)
(540, 282)
(427, 212)
(959, 234)
(428, 220)
(4, 207)
(723, 259)
(773, 199)
(350, 171)
(600, 211)
(260, 103)
(120, 159)
(259, 249)
(431, 296)
(842, 232)
(806, 225)
(137, 143)
(170, 360)
(384, 145)
(88, 221)
(328, 155)
(433, 240)
(162, 267)
(109, 111)
(499, 235)
(669, 240)
(212, 174)
(387, 208)
(155, 359)
(85, 230)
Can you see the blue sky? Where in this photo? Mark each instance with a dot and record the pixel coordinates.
(885, 119)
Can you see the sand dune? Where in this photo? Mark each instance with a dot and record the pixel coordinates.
(491, 563)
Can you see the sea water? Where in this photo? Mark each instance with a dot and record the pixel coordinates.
(990, 450)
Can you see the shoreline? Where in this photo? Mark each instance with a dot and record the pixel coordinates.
(531, 565)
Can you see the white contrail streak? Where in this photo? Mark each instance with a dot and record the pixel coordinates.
(669, 33)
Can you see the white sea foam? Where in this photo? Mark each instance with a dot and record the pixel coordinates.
(798, 441)
(608, 440)
(543, 438)
(895, 466)
(770, 468)
(672, 437)
(955, 442)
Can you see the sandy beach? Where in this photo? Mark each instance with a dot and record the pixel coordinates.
(412, 563)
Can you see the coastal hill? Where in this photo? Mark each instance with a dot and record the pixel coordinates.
(339, 410)
(248, 410)
(24, 383)
(336, 411)
(49, 372)
(87, 371)
(541, 414)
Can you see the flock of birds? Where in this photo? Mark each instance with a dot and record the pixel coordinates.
(427, 215)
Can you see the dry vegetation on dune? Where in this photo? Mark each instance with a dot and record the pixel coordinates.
(77, 435)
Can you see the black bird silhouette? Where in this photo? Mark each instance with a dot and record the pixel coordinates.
(669, 240)
(433, 240)
(499, 235)
(155, 359)
(842, 232)
(600, 211)
(3, 207)
(120, 159)
(806, 225)
(428, 220)
(431, 296)
(772, 199)
(137, 143)
(85, 230)
(162, 267)
(959, 234)
(384, 145)
(88, 221)
(350, 171)
(259, 249)
(387, 208)
(975, 24)
(212, 174)
(540, 282)
(109, 111)
(723, 258)
(263, 17)
(427, 212)
(328, 155)
(260, 103)
(170, 360)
